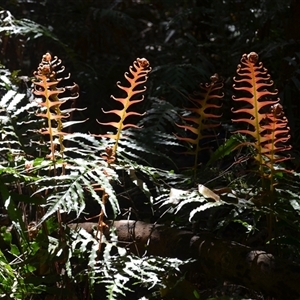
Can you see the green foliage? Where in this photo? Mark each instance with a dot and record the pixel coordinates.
(53, 172)
(58, 185)
(23, 27)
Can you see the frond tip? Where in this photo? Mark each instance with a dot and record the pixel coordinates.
(203, 119)
(275, 134)
(136, 77)
(254, 82)
(261, 112)
(47, 92)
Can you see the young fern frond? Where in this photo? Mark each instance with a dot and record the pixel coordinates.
(204, 114)
(70, 179)
(138, 75)
(47, 92)
(274, 135)
(262, 114)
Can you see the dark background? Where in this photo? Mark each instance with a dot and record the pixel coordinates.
(185, 41)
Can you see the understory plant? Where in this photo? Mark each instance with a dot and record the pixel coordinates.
(48, 175)
(257, 182)
(54, 179)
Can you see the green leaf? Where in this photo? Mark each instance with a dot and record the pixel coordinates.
(204, 207)
(230, 145)
(13, 212)
(14, 250)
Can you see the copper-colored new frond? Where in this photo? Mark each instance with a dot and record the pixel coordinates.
(274, 136)
(136, 77)
(262, 113)
(254, 81)
(47, 92)
(203, 116)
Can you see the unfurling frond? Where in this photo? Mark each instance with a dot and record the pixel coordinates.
(203, 117)
(262, 114)
(47, 94)
(274, 135)
(136, 77)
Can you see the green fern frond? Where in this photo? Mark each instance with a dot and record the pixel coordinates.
(9, 25)
(147, 146)
(84, 146)
(161, 115)
(178, 80)
(148, 271)
(10, 143)
(68, 193)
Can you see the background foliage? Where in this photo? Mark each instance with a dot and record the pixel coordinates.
(186, 42)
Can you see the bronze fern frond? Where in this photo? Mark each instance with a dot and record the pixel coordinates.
(47, 91)
(205, 113)
(262, 112)
(136, 77)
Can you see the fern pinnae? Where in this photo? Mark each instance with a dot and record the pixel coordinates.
(265, 126)
(203, 116)
(190, 199)
(160, 116)
(24, 108)
(275, 134)
(138, 75)
(47, 90)
(204, 207)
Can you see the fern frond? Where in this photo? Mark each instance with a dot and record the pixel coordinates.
(68, 193)
(11, 99)
(84, 145)
(178, 79)
(274, 136)
(10, 26)
(147, 146)
(255, 81)
(136, 77)
(202, 121)
(148, 271)
(160, 116)
(47, 92)
(263, 114)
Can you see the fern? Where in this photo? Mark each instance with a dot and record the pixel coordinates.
(23, 27)
(200, 123)
(38, 189)
(177, 80)
(45, 87)
(160, 116)
(137, 76)
(275, 134)
(150, 272)
(11, 98)
(119, 270)
(67, 193)
(147, 147)
(264, 115)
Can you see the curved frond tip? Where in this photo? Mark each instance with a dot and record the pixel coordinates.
(261, 112)
(203, 117)
(137, 75)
